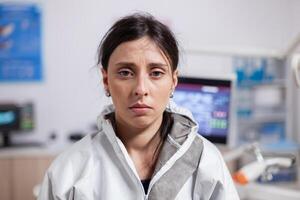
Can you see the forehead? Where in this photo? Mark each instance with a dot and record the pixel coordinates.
(143, 48)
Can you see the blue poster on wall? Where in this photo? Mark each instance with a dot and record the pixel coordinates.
(20, 43)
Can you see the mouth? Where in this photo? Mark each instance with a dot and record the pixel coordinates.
(140, 109)
(139, 105)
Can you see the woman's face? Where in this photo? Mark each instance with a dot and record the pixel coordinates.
(140, 80)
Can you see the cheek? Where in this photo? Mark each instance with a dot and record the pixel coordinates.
(120, 96)
(163, 96)
(117, 88)
(162, 92)
(165, 86)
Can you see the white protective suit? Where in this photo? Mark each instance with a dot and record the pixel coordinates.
(98, 167)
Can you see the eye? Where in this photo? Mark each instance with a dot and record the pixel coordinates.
(125, 73)
(156, 74)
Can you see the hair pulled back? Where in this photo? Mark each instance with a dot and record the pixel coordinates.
(136, 26)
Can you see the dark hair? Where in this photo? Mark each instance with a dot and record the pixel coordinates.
(134, 27)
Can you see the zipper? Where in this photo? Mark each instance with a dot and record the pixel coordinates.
(146, 197)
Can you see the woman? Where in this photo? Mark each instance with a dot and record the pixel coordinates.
(146, 147)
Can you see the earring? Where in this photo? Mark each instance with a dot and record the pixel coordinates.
(107, 93)
(172, 94)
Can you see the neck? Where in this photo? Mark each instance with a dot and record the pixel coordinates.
(139, 139)
(141, 144)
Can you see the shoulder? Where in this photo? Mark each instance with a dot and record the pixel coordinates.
(212, 168)
(71, 163)
(79, 151)
(71, 167)
(212, 159)
(209, 149)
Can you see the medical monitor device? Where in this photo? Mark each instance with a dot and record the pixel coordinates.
(211, 102)
(15, 119)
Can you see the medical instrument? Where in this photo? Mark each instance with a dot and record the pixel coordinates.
(263, 167)
(252, 171)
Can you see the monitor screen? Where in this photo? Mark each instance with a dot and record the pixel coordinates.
(209, 102)
(9, 118)
(16, 117)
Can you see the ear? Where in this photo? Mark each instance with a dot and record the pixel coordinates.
(104, 78)
(175, 79)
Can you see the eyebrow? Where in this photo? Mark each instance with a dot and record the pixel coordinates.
(130, 64)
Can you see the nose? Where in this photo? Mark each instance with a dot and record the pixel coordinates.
(141, 87)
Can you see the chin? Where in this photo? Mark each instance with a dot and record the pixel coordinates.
(141, 122)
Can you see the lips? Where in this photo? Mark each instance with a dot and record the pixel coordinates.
(140, 105)
(140, 108)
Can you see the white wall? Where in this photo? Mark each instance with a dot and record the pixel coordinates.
(71, 95)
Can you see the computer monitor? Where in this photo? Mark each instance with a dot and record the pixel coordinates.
(15, 118)
(9, 118)
(210, 101)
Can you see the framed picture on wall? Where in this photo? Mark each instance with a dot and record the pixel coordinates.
(20, 43)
